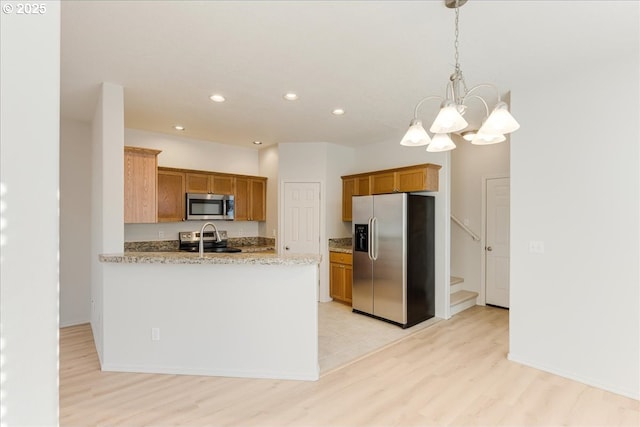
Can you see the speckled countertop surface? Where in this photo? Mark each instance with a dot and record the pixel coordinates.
(342, 245)
(251, 258)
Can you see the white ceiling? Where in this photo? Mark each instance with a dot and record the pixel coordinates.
(375, 59)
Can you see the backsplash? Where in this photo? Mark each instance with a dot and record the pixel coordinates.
(172, 245)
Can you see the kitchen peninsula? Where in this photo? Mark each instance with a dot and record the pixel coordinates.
(237, 315)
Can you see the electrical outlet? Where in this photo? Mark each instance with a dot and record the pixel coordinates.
(155, 334)
(241, 233)
(161, 234)
(274, 232)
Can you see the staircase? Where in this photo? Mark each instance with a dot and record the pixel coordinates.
(460, 299)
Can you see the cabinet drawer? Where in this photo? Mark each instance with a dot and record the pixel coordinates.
(341, 258)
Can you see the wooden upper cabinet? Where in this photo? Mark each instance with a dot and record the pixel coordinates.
(422, 177)
(382, 183)
(197, 182)
(171, 195)
(363, 186)
(404, 180)
(356, 186)
(209, 183)
(140, 185)
(222, 184)
(348, 190)
(258, 199)
(250, 199)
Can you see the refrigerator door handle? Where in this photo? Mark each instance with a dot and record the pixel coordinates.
(374, 238)
(369, 244)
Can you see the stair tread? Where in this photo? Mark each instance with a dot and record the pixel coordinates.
(455, 280)
(462, 296)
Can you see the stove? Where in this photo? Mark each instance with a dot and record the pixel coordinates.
(190, 242)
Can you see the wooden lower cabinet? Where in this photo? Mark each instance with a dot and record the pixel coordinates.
(340, 276)
(171, 195)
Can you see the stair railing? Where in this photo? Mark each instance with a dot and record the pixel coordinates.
(473, 235)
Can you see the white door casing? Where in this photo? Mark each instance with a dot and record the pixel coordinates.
(497, 242)
(301, 224)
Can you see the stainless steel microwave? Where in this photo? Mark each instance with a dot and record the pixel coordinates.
(209, 206)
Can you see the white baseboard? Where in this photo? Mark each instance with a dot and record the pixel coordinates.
(633, 394)
(67, 323)
(173, 370)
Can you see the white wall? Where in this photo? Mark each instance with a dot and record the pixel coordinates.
(470, 165)
(391, 154)
(269, 163)
(107, 193)
(307, 162)
(575, 186)
(75, 222)
(189, 153)
(339, 160)
(243, 320)
(29, 143)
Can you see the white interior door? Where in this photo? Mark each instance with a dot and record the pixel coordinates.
(497, 242)
(301, 222)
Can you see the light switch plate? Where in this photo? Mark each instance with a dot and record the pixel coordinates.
(536, 247)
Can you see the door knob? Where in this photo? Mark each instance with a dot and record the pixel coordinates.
(489, 248)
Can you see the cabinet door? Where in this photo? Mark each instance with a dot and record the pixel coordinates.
(348, 283)
(348, 190)
(171, 196)
(140, 183)
(241, 192)
(362, 186)
(221, 184)
(336, 281)
(412, 180)
(197, 183)
(382, 183)
(257, 209)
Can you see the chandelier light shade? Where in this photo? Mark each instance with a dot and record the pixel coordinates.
(453, 106)
(500, 120)
(416, 135)
(441, 142)
(487, 138)
(448, 119)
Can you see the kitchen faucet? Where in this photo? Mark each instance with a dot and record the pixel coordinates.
(202, 236)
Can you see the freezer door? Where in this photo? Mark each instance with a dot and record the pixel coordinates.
(389, 268)
(362, 293)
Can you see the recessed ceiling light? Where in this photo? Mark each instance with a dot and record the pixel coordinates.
(290, 96)
(178, 127)
(257, 142)
(217, 98)
(338, 112)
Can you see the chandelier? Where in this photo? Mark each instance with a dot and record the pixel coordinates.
(453, 107)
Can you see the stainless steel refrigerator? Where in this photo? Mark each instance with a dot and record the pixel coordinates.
(393, 257)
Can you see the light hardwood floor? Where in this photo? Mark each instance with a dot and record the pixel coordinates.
(452, 373)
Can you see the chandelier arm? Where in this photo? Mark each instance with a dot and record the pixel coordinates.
(486, 107)
(494, 87)
(415, 111)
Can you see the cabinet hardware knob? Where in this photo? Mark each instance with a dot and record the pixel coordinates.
(489, 248)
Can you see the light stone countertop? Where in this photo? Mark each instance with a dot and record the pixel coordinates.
(341, 244)
(246, 258)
